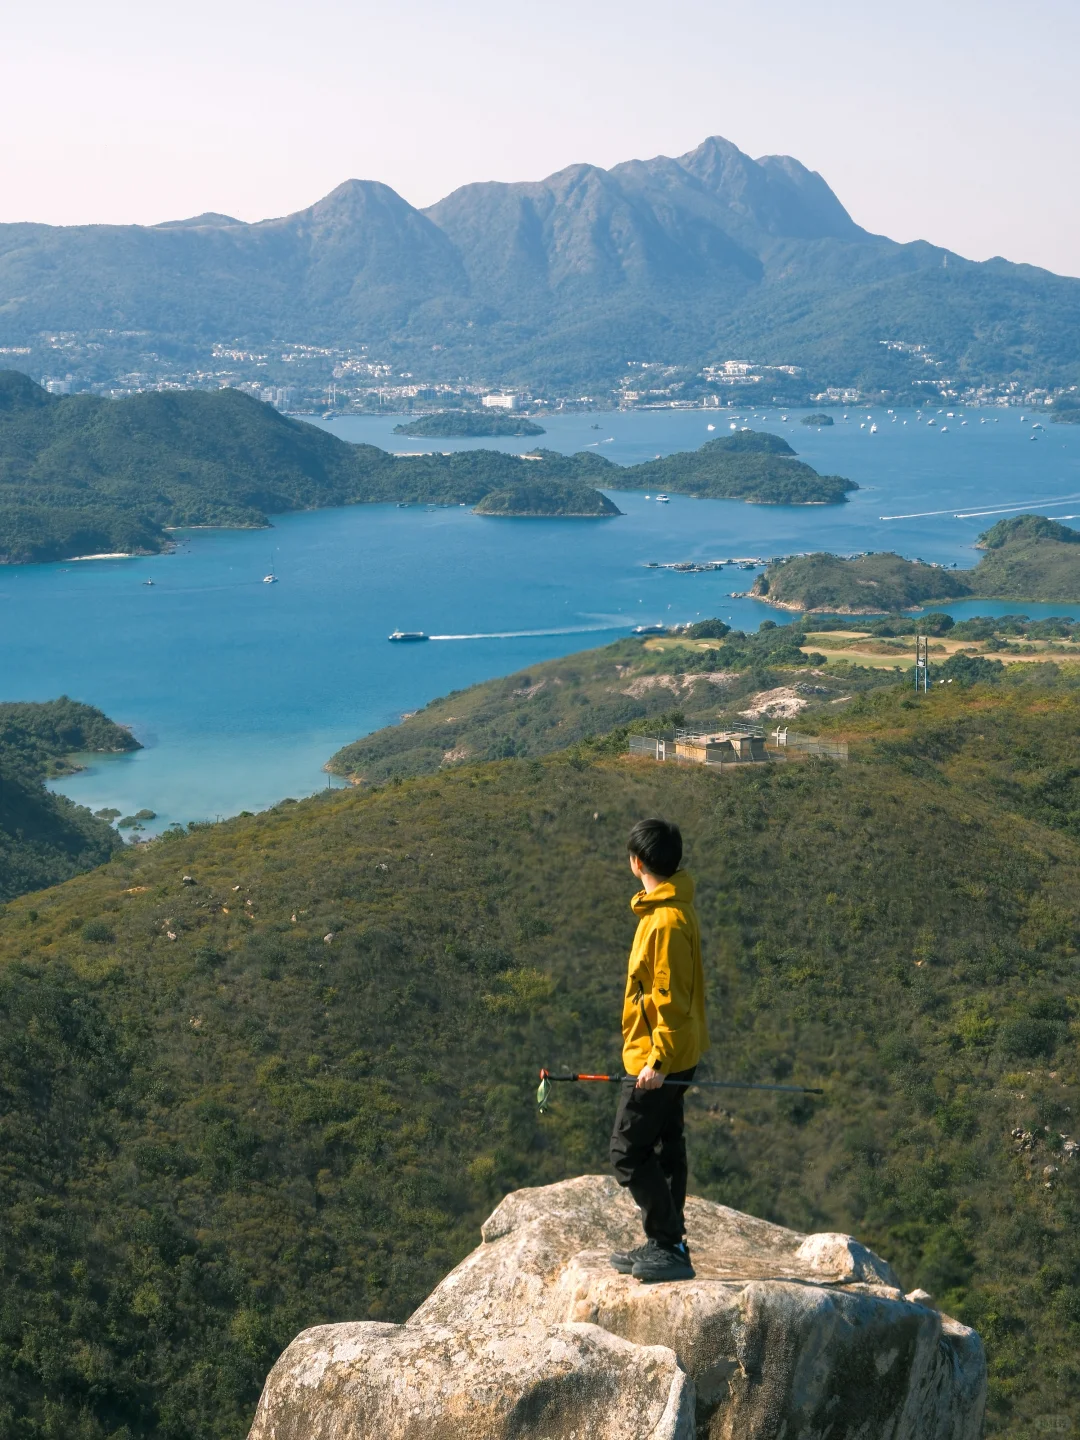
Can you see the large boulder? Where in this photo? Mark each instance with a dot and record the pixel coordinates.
(534, 1335)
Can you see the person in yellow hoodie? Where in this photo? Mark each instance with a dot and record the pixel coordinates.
(664, 1035)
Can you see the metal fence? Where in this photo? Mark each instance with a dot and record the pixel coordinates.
(689, 747)
(785, 739)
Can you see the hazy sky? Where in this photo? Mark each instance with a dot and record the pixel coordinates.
(953, 121)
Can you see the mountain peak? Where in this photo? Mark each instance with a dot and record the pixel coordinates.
(776, 194)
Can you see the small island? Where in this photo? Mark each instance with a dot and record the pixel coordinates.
(468, 424)
(751, 465)
(1026, 558)
(534, 498)
(819, 418)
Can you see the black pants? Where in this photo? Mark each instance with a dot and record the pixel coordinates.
(648, 1152)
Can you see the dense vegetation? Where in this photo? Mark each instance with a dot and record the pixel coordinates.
(44, 837)
(750, 465)
(287, 1091)
(1026, 558)
(820, 418)
(542, 496)
(554, 283)
(83, 475)
(469, 423)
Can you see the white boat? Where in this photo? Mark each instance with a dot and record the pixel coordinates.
(873, 429)
(662, 499)
(270, 579)
(399, 635)
(710, 427)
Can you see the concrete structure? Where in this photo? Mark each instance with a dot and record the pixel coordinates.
(501, 402)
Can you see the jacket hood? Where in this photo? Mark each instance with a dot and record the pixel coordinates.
(679, 888)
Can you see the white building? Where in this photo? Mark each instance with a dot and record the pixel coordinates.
(501, 402)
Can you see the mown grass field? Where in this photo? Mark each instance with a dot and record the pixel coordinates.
(287, 1089)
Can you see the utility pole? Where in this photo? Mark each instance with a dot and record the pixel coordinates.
(922, 663)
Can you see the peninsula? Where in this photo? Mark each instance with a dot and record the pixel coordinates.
(44, 837)
(81, 475)
(470, 424)
(1026, 558)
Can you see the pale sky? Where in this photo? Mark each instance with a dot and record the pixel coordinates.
(955, 121)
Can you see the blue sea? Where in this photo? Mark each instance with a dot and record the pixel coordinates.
(240, 691)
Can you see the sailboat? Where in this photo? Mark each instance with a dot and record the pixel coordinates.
(270, 579)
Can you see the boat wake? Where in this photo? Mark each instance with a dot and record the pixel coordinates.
(526, 634)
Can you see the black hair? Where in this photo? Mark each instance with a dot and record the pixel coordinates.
(658, 845)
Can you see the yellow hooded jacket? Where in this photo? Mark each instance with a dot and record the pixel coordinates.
(663, 1020)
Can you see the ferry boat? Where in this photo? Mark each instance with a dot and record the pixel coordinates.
(662, 500)
(400, 635)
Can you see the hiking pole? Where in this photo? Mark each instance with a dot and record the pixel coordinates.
(547, 1080)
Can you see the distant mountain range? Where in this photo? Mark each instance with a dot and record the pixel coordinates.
(560, 282)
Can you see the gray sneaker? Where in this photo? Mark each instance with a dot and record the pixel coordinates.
(625, 1260)
(663, 1262)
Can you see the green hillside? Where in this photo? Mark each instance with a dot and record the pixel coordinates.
(469, 423)
(705, 677)
(45, 838)
(288, 1091)
(1027, 558)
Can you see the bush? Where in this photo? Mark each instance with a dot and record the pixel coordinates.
(1028, 1037)
(970, 670)
(98, 932)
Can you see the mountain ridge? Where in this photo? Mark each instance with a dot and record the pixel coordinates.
(557, 282)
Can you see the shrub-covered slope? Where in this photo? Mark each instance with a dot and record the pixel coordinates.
(288, 1092)
(702, 677)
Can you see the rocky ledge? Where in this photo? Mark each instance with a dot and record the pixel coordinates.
(535, 1337)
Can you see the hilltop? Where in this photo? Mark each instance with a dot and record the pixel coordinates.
(553, 283)
(45, 837)
(84, 475)
(287, 1089)
(1027, 558)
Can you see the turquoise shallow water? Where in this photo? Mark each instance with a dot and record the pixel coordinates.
(240, 691)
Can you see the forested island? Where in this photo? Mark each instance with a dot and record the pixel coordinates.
(82, 475)
(1027, 557)
(469, 424)
(537, 496)
(45, 837)
(751, 465)
(820, 419)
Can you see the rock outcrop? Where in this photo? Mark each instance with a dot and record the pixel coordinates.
(534, 1337)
